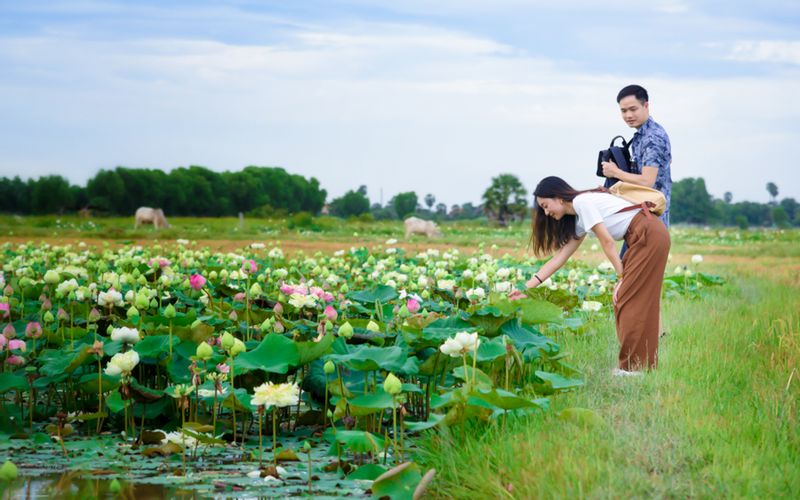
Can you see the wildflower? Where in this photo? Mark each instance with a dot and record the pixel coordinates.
(122, 363)
(125, 335)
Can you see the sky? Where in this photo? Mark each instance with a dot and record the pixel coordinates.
(426, 96)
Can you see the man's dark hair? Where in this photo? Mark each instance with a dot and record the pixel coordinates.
(635, 90)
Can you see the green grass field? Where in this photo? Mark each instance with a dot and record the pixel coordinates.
(718, 419)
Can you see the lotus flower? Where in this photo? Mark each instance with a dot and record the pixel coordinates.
(277, 395)
(125, 335)
(462, 343)
(413, 306)
(33, 330)
(122, 363)
(331, 313)
(197, 281)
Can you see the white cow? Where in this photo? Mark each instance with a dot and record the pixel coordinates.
(428, 228)
(146, 215)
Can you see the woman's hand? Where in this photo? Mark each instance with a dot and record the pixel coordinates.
(616, 291)
(533, 282)
(517, 295)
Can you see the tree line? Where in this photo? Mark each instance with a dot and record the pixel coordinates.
(183, 191)
(271, 191)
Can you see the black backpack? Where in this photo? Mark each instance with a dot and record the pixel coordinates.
(619, 155)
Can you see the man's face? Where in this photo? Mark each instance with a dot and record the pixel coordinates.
(634, 112)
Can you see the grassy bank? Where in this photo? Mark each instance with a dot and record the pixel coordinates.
(719, 418)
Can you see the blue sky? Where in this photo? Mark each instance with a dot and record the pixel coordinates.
(427, 96)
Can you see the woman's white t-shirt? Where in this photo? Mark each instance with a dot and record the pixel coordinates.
(591, 208)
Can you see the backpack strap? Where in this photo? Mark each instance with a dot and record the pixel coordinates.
(644, 206)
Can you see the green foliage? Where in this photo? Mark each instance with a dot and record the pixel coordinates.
(505, 199)
(404, 204)
(352, 203)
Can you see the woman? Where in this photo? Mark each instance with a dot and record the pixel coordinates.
(561, 218)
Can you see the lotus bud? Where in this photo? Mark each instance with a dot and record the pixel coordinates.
(51, 277)
(8, 291)
(33, 330)
(278, 327)
(233, 316)
(15, 360)
(265, 326)
(346, 330)
(344, 288)
(48, 317)
(373, 327)
(403, 312)
(94, 315)
(8, 472)
(392, 385)
(425, 294)
(9, 331)
(142, 302)
(328, 326)
(238, 347)
(72, 297)
(130, 296)
(169, 311)
(153, 304)
(133, 313)
(115, 487)
(277, 308)
(227, 341)
(141, 281)
(306, 447)
(328, 367)
(47, 305)
(412, 305)
(331, 313)
(224, 274)
(204, 351)
(255, 290)
(213, 276)
(62, 314)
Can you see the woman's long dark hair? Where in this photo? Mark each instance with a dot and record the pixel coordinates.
(547, 233)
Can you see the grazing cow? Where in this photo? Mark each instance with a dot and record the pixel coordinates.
(146, 215)
(428, 228)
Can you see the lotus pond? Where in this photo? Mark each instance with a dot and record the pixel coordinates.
(253, 373)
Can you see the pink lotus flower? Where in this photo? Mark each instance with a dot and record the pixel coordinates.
(412, 305)
(223, 368)
(239, 297)
(47, 305)
(249, 266)
(62, 314)
(3, 341)
(197, 281)
(15, 360)
(9, 331)
(5, 309)
(233, 316)
(33, 330)
(16, 344)
(331, 313)
(277, 308)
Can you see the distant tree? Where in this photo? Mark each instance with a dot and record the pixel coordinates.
(772, 189)
(51, 194)
(691, 202)
(792, 209)
(728, 196)
(441, 209)
(404, 204)
(505, 199)
(779, 217)
(430, 200)
(351, 203)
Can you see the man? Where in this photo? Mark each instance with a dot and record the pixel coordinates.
(651, 154)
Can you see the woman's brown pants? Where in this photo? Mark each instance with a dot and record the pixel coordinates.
(639, 296)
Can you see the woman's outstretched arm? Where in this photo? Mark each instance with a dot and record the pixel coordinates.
(559, 259)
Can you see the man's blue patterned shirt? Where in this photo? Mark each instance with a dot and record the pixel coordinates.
(650, 148)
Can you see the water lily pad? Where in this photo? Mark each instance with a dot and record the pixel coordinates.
(275, 354)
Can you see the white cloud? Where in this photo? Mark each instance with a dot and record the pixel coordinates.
(766, 51)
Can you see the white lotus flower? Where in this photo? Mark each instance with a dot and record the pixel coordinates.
(503, 287)
(278, 395)
(300, 300)
(462, 343)
(111, 297)
(696, 259)
(476, 293)
(503, 273)
(591, 306)
(275, 253)
(447, 285)
(125, 335)
(122, 363)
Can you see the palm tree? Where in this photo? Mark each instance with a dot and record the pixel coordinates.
(505, 199)
(773, 191)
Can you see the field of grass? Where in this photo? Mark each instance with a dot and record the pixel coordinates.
(719, 418)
